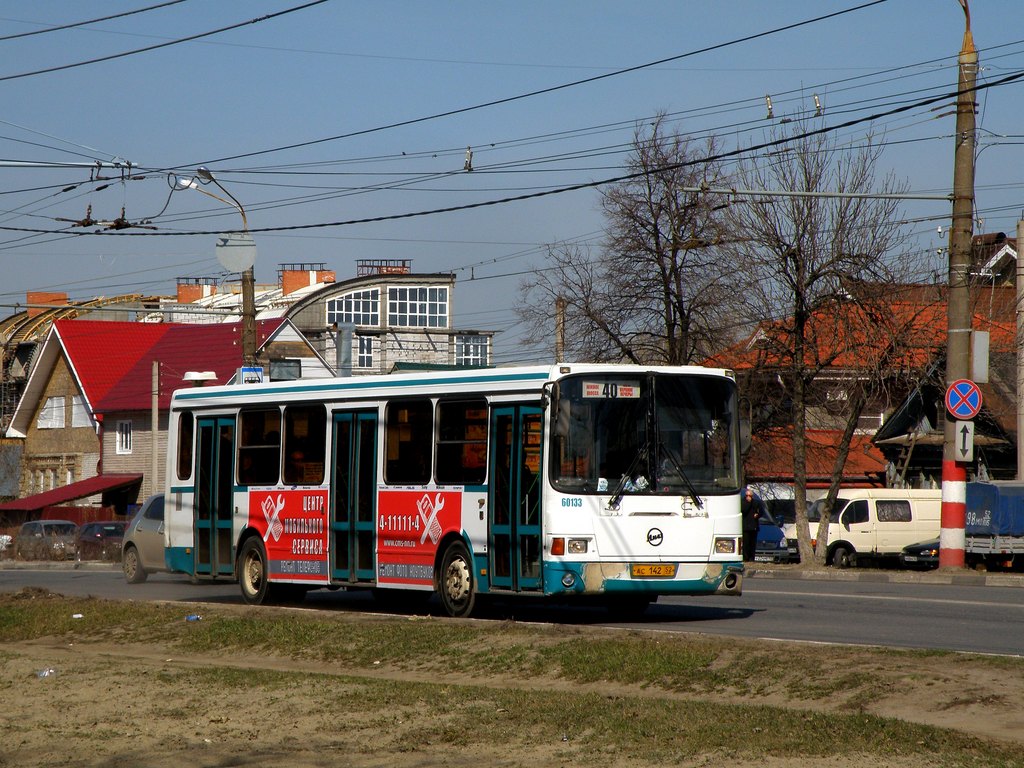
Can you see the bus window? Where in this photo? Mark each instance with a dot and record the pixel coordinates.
(259, 451)
(461, 442)
(186, 427)
(305, 433)
(408, 440)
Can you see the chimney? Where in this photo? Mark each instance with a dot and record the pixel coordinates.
(296, 276)
(44, 297)
(194, 288)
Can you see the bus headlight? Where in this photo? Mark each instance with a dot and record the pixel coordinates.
(578, 546)
(725, 545)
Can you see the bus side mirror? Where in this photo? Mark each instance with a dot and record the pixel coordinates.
(746, 436)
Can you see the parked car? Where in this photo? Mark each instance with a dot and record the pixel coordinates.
(100, 541)
(772, 546)
(45, 540)
(923, 554)
(143, 550)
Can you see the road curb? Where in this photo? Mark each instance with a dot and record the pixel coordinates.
(950, 577)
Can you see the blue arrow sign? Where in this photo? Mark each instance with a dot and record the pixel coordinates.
(963, 399)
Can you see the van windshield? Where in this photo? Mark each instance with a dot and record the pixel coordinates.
(814, 511)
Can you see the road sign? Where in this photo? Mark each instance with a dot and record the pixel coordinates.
(965, 441)
(963, 399)
(251, 375)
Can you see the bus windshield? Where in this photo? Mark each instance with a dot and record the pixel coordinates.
(649, 433)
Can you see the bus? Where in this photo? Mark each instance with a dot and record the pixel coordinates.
(615, 481)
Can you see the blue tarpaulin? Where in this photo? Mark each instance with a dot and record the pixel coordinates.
(995, 509)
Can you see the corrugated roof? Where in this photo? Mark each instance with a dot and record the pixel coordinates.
(113, 361)
(79, 490)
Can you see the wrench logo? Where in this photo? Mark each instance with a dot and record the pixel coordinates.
(428, 514)
(272, 511)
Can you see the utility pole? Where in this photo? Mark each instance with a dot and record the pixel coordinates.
(1018, 346)
(560, 304)
(952, 537)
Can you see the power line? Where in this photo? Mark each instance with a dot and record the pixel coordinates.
(176, 41)
(90, 21)
(551, 89)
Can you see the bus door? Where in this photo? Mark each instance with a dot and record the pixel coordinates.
(354, 495)
(514, 507)
(214, 497)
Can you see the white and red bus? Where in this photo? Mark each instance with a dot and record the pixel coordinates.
(566, 481)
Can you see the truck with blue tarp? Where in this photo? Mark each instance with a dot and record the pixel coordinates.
(995, 524)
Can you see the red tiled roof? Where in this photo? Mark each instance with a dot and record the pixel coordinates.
(79, 490)
(771, 458)
(917, 320)
(113, 361)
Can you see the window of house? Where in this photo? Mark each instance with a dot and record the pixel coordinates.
(408, 439)
(285, 370)
(305, 440)
(418, 307)
(51, 415)
(124, 437)
(471, 350)
(259, 451)
(79, 413)
(462, 442)
(358, 308)
(364, 358)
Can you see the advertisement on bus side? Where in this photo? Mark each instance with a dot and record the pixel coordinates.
(294, 527)
(410, 525)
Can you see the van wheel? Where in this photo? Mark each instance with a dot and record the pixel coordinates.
(843, 557)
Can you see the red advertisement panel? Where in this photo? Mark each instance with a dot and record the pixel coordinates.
(294, 527)
(410, 524)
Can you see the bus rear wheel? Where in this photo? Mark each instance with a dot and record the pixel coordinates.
(458, 592)
(253, 572)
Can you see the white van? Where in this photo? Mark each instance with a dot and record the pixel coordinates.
(877, 523)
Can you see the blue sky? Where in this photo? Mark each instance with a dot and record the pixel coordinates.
(231, 101)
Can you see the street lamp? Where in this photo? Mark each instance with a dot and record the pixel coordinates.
(248, 273)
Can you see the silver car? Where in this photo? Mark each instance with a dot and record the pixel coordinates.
(143, 549)
(45, 540)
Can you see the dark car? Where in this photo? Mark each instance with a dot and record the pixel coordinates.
(924, 554)
(772, 545)
(99, 541)
(143, 551)
(45, 540)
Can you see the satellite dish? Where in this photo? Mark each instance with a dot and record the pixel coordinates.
(236, 251)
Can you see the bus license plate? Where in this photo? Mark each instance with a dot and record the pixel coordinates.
(653, 570)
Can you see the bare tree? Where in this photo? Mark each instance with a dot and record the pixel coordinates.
(655, 291)
(810, 261)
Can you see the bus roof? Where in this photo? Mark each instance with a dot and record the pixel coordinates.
(426, 382)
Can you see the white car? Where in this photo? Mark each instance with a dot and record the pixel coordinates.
(142, 552)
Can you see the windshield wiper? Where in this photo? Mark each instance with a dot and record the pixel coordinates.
(620, 488)
(686, 480)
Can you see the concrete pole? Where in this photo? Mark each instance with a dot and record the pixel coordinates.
(1019, 346)
(952, 538)
(154, 483)
(249, 317)
(560, 304)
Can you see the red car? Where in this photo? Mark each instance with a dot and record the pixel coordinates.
(100, 541)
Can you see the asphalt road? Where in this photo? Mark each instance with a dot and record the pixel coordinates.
(892, 609)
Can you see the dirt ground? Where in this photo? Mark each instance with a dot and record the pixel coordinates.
(107, 704)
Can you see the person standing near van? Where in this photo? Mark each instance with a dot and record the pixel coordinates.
(750, 510)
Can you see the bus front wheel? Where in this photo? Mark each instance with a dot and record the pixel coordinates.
(252, 572)
(458, 593)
